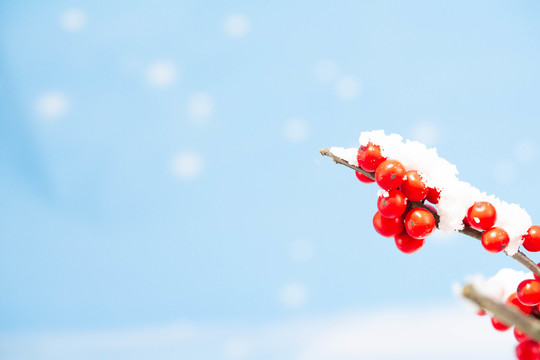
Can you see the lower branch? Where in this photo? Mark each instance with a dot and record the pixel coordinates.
(508, 315)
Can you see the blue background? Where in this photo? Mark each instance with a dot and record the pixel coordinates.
(97, 232)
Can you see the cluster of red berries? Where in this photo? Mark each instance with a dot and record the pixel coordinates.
(409, 226)
(482, 216)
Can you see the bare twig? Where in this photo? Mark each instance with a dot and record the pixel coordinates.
(508, 315)
(467, 230)
(338, 160)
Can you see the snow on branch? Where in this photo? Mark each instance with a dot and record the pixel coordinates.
(466, 230)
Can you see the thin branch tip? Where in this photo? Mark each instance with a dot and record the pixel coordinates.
(467, 289)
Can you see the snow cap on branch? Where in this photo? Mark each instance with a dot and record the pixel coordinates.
(500, 286)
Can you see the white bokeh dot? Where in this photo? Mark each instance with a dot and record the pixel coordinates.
(293, 295)
(236, 348)
(347, 88)
(200, 107)
(526, 151)
(326, 71)
(301, 250)
(73, 20)
(187, 165)
(162, 74)
(52, 105)
(505, 171)
(296, 130)
(425, 133)
(236, 25)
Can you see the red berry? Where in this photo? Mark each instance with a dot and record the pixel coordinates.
(514, 301)
(482, 215)
(389, 174)
(387, 227)
(531, 240)
(528, 292)
(433, 195)
(419, 223)
(392, 203)
(369, 157)
(481, 312)
(528, 350)
(363, 178)
(408, 244)
(498, 325)
(413, 187)
(520, 335)
(495, 240)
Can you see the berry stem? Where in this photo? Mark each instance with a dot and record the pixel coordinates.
(467, 230)
(509, 315)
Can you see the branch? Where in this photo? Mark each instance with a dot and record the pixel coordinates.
(467, 230)
(508, 315)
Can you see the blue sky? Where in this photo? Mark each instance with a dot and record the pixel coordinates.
(159, 161)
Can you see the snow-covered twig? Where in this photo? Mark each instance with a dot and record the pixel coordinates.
(508, 315)
(467, 230)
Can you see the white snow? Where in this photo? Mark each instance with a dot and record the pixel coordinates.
(346, 154)
(456, 195)
(500, 286)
